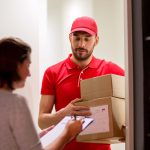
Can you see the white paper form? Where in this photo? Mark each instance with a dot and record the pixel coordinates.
(57, 130)
(101, 120)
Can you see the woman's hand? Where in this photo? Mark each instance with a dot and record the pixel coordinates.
(72, 128)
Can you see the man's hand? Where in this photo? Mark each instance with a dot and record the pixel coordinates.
(123, 130)
(73, 110)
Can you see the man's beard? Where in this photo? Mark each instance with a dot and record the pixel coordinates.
(79, 56)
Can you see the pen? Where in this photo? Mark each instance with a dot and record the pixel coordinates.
(75, 117)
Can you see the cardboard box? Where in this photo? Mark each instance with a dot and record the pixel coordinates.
(103, 86)
(109, 116)
(105, 95)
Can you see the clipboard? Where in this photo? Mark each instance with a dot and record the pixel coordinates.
(58, 129)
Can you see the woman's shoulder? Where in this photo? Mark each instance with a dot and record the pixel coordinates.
(9, 98)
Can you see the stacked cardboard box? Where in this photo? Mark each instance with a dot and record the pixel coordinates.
(105, 95)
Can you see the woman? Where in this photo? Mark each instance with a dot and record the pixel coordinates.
(17, 129)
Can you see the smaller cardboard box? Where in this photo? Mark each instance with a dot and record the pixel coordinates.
(109, 116)
(103, 86)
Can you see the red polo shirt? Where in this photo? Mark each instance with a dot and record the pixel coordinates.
(63, 81)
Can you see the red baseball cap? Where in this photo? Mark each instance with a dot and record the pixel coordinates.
(86, 24)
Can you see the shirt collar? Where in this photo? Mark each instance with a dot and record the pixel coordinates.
(71, 65)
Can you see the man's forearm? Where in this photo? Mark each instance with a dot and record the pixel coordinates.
(46, 119)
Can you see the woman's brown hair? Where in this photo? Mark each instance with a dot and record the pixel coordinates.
(12, 52)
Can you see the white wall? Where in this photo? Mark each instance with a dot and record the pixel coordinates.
(110, 19)
(19, 18)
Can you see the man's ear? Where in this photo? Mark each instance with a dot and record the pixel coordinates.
(70, 37)
(97, 40)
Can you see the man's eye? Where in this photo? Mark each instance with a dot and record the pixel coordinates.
(86, 39)
(77, 39)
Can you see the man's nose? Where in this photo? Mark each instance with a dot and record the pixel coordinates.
(82, 43)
